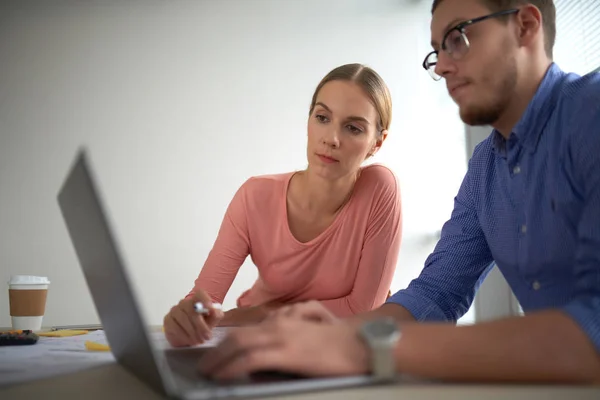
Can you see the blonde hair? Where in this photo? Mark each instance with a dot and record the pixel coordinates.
(370, 82)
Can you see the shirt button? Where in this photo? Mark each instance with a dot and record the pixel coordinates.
(516, 170)
(523, 228)
(536, 285)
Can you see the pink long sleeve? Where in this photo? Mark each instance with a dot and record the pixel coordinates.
(377, 265)
(349, 266)
(229, 251)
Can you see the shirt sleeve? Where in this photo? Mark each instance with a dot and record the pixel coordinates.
(379, 254)
(584, 156)
(447, 284)
(229, 251)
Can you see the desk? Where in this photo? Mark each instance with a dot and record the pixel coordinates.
(115, 383)
(111, 381)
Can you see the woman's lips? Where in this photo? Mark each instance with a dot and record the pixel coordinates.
(327, 159)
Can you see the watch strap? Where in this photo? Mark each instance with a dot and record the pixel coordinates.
(383, 363)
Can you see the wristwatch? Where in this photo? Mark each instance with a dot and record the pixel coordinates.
(381, 336)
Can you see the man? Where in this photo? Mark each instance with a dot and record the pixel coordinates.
(530, 201)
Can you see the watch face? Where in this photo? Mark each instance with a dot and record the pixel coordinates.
(381, 328)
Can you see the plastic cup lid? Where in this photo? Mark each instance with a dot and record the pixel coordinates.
(28, 280)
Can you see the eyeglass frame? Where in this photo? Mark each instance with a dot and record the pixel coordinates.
(460, 28)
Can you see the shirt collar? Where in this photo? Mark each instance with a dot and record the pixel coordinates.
(531, 125)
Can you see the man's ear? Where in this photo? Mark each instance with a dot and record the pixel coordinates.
(529, 24)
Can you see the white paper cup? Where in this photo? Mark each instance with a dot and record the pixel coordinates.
(27, 298)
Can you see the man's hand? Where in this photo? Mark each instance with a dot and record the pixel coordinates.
(310, 311)
(291, 345)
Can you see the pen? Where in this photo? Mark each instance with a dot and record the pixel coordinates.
(92, 327)
(200, 309)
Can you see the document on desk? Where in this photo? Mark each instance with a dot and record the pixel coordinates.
(52, 356)
(218, 334)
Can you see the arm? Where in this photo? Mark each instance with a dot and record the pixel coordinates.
(553, 345)
(182, 325)
(231, 248)
(519, 349)
(228, 253)
(542, 347)
(379, 254)
(548, 346)
(393, 310)
(446, 287)
(560, 345)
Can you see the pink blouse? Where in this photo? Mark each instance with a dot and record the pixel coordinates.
(349, 267)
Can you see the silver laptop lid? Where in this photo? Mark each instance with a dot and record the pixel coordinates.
(114, 298)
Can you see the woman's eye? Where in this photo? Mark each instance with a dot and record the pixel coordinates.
(354, 129)
(321, 118)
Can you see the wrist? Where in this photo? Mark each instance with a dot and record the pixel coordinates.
(243, 316)
(380, 338)
(363, 358)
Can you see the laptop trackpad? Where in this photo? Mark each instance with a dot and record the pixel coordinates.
(184, 362)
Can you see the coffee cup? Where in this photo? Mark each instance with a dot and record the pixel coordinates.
(27, 297)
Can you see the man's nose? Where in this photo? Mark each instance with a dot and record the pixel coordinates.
(445, 64)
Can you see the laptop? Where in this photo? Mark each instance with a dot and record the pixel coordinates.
(172, 373)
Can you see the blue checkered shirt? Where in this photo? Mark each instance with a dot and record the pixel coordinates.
(531, 204)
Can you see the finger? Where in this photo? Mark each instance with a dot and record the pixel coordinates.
(215, 315)
(175, 334)
(300, 310)
(257, 359)
(201, 329)
(172, 333)
(186, 329)
(235, 343)
(313, 311)
(288, 311)
(275, 314)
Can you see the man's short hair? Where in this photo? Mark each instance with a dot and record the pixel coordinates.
(546, 8)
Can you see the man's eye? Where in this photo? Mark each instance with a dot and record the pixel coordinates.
(454, 40)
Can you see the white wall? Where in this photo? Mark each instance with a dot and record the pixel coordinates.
(181, 101)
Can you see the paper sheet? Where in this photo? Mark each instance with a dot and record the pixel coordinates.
(218, 334)
(52, 356)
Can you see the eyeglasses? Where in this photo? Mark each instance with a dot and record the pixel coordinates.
(455, 42)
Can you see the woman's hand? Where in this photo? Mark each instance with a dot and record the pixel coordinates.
(185, 327)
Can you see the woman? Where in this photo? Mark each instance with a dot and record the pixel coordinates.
(329, 233)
